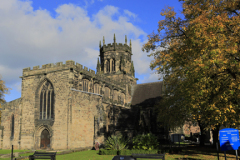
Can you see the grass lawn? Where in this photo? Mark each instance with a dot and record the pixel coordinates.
(190, 153)
(6, 151)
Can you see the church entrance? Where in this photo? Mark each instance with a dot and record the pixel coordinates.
(45, 139)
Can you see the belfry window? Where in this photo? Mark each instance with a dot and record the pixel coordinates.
(46, 101)
(108, 66)
(12, 127)
(113, 65)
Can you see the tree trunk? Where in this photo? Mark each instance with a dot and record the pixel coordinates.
(203, 133)
(215, 137)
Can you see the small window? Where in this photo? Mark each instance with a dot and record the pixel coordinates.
(85, 85)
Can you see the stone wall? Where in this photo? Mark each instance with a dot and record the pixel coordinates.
(8, 110)
(85, 107)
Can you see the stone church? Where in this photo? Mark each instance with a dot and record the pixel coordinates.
(68, 106)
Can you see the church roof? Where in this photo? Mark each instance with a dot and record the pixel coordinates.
(14, 103)
(146, 93)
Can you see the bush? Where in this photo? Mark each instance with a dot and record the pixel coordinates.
(126, 152)
(107, 152)
(145, 142)
(130, 152)
(116, 143)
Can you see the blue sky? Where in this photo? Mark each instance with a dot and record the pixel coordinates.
(38, 32)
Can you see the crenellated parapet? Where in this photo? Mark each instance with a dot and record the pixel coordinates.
(70, 65)
(116, 46)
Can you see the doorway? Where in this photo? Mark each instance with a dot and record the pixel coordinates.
(45, 139)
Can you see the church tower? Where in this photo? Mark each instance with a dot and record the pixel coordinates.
(116, 61)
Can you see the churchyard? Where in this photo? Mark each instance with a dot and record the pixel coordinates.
(187, 154)
(190, 151)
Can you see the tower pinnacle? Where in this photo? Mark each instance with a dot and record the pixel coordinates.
(114, 38)
(130, 44)
(98, 66)
(125, 39)
(103, 40)
(100, 44)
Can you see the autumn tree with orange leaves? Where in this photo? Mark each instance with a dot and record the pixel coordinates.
(200, 60)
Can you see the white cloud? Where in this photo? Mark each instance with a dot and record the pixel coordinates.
(30, 38)
(154, 77)
(17, 86)
(130, 14)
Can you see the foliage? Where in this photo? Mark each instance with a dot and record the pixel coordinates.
(116, 142)
(126, 152)
(145, 141)
(200, 61)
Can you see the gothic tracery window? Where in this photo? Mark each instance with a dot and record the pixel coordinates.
(46, 101)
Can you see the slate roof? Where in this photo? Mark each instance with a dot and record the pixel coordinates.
(146, 92)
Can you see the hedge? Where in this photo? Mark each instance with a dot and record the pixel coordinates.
(130, 152)
(126, 152)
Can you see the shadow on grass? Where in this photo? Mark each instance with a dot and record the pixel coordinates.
(186, 159)
(194, 150)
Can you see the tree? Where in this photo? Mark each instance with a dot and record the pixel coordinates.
(3, 90)
(200, 61)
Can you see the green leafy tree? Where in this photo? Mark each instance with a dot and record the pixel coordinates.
(200, 61)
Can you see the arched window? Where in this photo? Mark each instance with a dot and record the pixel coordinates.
(107, 92)
(99, 89)
(95, 88)
(12, 127)
(113, 65)
(115, 97)
(46, 101)
(122, 98)
(108, 66)
(85, 85)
